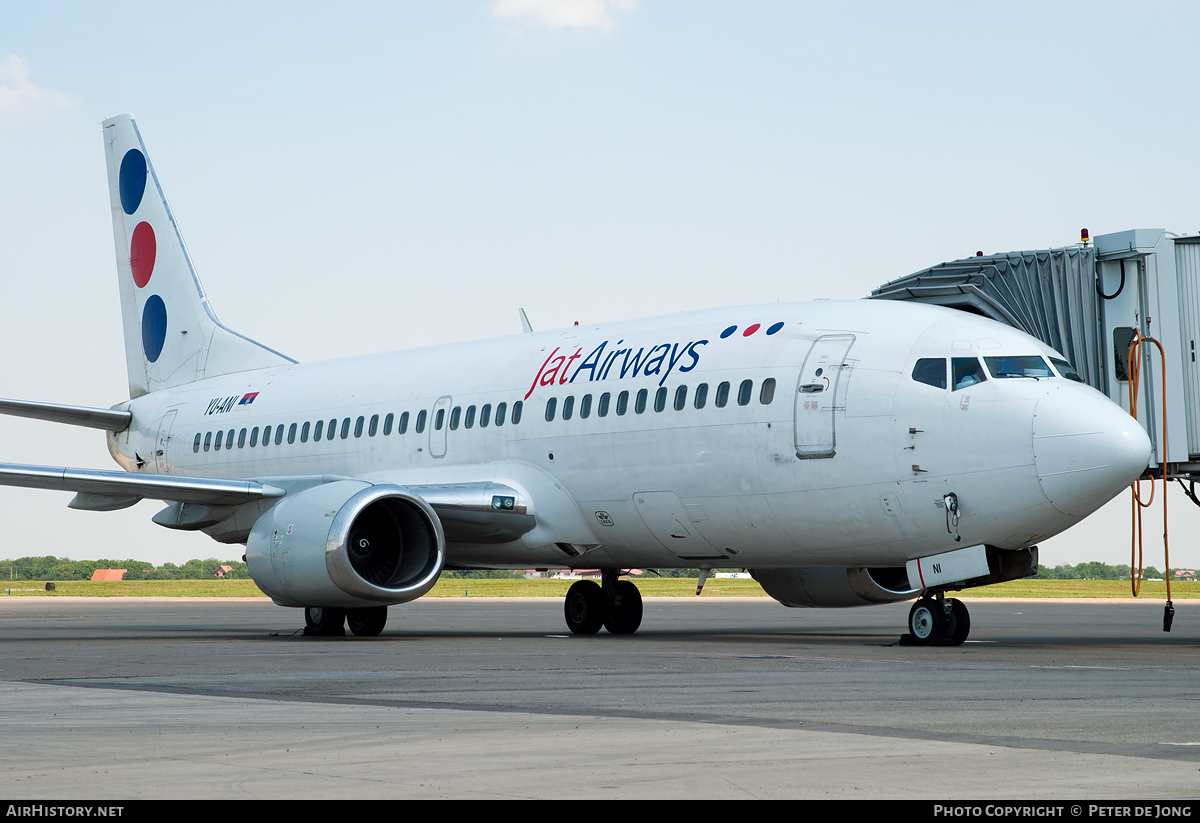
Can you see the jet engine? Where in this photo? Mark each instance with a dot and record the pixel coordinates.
(835, 588)
(347, 544)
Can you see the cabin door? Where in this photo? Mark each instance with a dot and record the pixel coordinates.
(161, 461)
(816, 395)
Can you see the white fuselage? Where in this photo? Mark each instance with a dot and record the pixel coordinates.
(849, 470)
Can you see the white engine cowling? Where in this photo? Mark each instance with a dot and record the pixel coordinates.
(347, 544)
(835, 588)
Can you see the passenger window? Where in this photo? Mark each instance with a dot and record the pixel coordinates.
(196, 445)
(254, 437)
(622, 403)
(345, 427)
(551, 405)
(568, 407)
(639, 405)
(455, 417)
(403, 427)
(242, 439)
(585, 406)
(744, 392)
(439, 419)
(701, 396)
(931, 371)
(767, 394)
(266, 435)
(304, 432)
(331, 430)
(229, 439)
(660, 399)
(967, 372)
(485, 415)
(291, 434)
(516, 415)
(722, 395)
(207, 440)
(470, 421)
(602, 407)
(387, 424)
(680, 398)
(374, 427)
(358, 426)
(500, 410)
(217, 444)
(421, 417)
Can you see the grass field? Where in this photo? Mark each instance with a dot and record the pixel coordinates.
(652, 587)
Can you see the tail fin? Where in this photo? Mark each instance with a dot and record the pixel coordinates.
(172, 335)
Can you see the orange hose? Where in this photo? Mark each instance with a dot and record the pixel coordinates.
(1133, 369)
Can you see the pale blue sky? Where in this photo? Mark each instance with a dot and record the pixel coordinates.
(381, 176)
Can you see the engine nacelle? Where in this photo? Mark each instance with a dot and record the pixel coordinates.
(347, 544)
(835, 588)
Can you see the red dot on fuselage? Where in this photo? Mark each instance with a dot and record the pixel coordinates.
(752, 329)
(142, 251)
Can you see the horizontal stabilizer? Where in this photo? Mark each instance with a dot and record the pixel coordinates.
(122, 485)
(112, 420)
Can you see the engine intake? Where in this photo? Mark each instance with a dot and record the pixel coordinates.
(347, 544)
(835, 588)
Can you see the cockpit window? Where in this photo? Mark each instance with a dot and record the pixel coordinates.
(966, 372)
(1066, 369)
(1028, 366)
(931, 371)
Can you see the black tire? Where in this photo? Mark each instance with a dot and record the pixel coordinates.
(366, 622)
(926, 621)
(625, 612)
(584, 607)
(962, 623)
(323, 621)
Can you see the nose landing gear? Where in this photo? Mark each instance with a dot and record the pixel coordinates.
(937, 621)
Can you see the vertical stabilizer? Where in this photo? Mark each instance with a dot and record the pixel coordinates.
(172, 335)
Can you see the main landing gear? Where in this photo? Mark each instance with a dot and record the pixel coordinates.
(616, 605)
(325, 621)
(937, 621)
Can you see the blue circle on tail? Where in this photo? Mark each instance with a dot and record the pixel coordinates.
(132, 180)
(154, 327)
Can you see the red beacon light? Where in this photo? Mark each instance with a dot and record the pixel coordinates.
(979, 254)
(1083, 236)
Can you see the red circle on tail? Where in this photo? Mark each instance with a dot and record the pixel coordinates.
(141, 254)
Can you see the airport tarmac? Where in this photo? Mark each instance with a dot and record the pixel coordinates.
(723, 698)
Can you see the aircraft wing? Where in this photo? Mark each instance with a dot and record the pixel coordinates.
(101, 490)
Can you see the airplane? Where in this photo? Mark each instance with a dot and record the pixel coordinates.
(846, 453)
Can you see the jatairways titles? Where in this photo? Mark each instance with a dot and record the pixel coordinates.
(556, 370)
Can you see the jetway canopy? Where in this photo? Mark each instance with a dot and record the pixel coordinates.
(1049, 294)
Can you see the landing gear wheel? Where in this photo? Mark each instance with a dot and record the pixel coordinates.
(625, 611)
(962, 623)
(926, 621)
(323, 621)
(366, 622)
(584, 607)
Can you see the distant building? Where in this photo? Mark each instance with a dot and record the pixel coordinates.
(109, 574)
(222, 571)
(1184, 574)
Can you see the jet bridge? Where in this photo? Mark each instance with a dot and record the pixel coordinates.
(1086, 301)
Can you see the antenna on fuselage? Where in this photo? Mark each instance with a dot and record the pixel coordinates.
(525, 327)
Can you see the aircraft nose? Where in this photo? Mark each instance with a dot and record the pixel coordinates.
(1086, 449)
